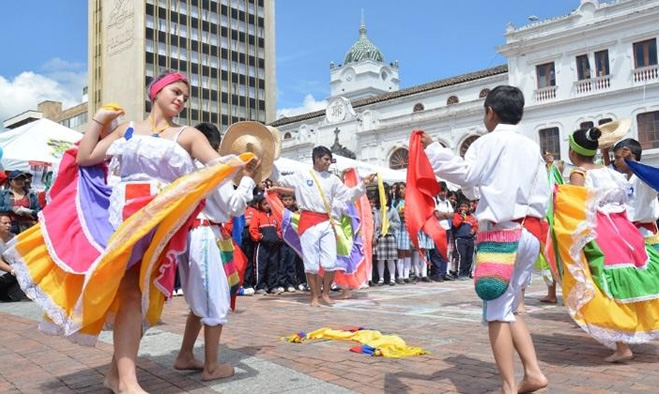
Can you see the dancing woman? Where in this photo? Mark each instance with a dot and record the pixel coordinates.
(107, 254)
(611, 274)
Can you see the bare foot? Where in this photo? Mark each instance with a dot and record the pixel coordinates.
(126, 389)
(549, 300)
(327, 300)
(532, 383)
(345, 294)
(315, 303)
(188, 364)
(111, 381)
(221, 371)
(618, 356)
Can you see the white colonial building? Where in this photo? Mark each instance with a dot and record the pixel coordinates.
(597, 64)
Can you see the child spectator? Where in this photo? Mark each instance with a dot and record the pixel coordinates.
(289, 261)
(247, 246)
(265, 231)
(402, 236)
(385, 249)
(465, 227)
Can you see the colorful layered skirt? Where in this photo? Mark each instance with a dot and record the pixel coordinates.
(72, 262)
(610, 273)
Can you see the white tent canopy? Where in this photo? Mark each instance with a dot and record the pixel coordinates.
(42, 142)
(289, 166)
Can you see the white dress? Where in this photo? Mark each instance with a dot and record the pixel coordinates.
(141, 162)
(141, 159)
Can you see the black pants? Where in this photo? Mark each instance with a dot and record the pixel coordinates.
(287, 266)
(465, 247)
(438, 264)
(267, 265)
(248, 249)
(9, 289)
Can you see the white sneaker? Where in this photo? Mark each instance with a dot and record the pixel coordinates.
(178, 292)
(290, 289)
(280, 290)
(248, 291)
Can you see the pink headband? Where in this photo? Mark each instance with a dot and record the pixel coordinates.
(164, 81)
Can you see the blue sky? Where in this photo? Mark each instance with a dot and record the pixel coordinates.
(45, 47)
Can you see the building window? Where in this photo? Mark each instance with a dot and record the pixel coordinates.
(452, 100)
(645, 53)
(466, 144)
(602, 63)
(603, 121)
(648, 129)
(550, 141)
(399, 159)
(288, 136)
(586, 125)
(418, 107)
(484, 93)
(583, 67)
(546, 75)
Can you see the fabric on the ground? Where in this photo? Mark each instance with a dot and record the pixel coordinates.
(373, 341)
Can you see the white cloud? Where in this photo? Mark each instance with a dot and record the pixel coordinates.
(57, 64)
(59, 81)
(308, 105)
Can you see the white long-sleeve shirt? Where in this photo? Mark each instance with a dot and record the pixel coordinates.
(502, 168)
(308, 196)
(225, 202)
(642, 205)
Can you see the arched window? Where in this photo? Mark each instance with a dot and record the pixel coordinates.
(452, 100)
(288, 136)
(586, 125)
(399, 159)
(484, 93)
(418, 107)
(465, 145)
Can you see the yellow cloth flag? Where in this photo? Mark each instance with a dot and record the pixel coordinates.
(383, 207)
(390, 346)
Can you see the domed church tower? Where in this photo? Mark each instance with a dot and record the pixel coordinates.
(364, 72)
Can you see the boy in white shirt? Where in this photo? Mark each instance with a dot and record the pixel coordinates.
(317, 191)
(642, 206)
(506, 171)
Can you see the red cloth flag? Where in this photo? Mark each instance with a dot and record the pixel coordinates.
(421, 188)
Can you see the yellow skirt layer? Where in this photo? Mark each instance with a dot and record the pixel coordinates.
(605, 319)
(79, 306)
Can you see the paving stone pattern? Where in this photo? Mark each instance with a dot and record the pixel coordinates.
(444, 318)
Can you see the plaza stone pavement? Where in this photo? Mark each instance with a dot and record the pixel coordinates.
(443, 318)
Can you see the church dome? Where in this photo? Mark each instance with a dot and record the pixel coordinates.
(363, 49)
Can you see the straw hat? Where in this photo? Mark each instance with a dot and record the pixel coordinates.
(252, 137)
(275, 133)
(613, 132)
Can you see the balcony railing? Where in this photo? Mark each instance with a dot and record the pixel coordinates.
(593, 84)
(545, 94)
(649, 73)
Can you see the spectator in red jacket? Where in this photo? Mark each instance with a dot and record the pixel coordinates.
(265, 231)
(465, 227)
